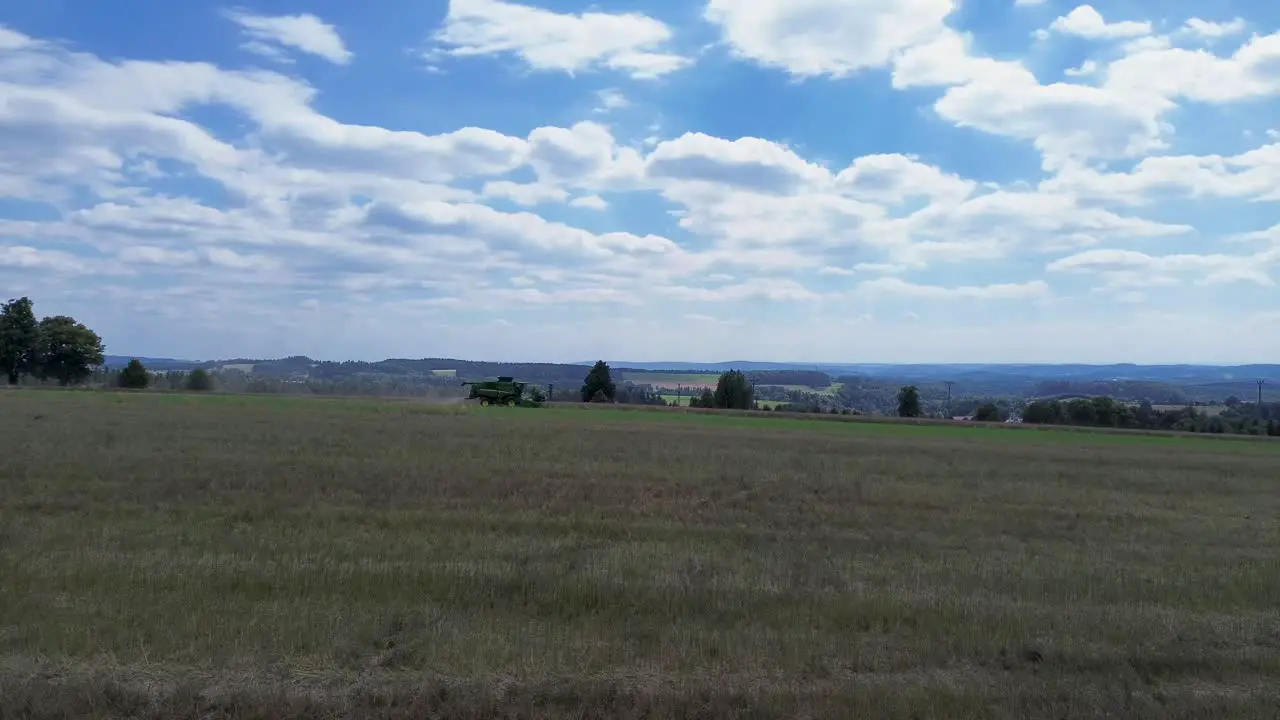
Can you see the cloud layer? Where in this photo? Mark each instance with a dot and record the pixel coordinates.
(256, 204)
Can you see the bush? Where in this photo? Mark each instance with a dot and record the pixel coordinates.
(988, 413)
(199, 380)
(135, 376)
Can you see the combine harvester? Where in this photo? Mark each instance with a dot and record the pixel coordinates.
(505, 390)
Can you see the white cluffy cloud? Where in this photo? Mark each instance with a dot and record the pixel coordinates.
(629, 42)
(826, 37)
(304, 32)
(1086, 22)
(1213, 30)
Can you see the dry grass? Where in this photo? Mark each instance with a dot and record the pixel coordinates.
(171, 556)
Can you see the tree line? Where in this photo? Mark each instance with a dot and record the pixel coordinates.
(57, 347)
(1237, 419)
(62, 349)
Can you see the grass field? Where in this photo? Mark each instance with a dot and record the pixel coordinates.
(235, 556)
(831, 389)
(671, 380)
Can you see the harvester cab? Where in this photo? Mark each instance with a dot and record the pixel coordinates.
(505, 390)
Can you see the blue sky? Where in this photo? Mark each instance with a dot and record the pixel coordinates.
(807, 180)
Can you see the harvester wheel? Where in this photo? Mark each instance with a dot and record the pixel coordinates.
(511, 402)
(484, 402)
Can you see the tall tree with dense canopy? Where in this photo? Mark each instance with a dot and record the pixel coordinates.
(135, 376)
(909, 401)
(733, 391)
(988, 412)
(199, 380)
(599, 379)
(68, 350)
(19, 340)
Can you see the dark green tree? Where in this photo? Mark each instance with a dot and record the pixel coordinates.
(988, 412)
(19, 340)
(909, 401)
(68, 350)
(707, 399)
(135, 376)
(1145, 415)
(199, 380)
(599, 379)
(1082, 411)
(1042, 412)
(733, 391)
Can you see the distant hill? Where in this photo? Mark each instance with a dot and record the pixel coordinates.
(1202, 374)
(116, 362)
(1169, 382)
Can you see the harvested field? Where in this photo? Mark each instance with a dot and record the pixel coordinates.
(184, 556)
(672, 380)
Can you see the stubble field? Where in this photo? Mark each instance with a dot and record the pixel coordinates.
(179, 556)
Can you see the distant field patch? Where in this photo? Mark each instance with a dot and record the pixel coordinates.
(831, 389)
(684, 400)
(445, 373)
(698, 380)
(1209, 410)
(242, 367)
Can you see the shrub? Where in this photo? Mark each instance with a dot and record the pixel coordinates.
(135, 376)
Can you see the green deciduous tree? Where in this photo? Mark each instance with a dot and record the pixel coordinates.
(135, 376)
(909, 401)
(199, 380)
(599, 379)
(19, 340)
(988, 412)
(733, 391)
(68, 350)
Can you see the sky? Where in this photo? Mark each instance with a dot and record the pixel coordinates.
(700, 180)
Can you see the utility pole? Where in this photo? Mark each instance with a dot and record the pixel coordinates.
(949, 383)
(1260, 384)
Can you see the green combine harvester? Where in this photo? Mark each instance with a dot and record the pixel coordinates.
(505, 390)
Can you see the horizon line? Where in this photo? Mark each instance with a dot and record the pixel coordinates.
(625, 363)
